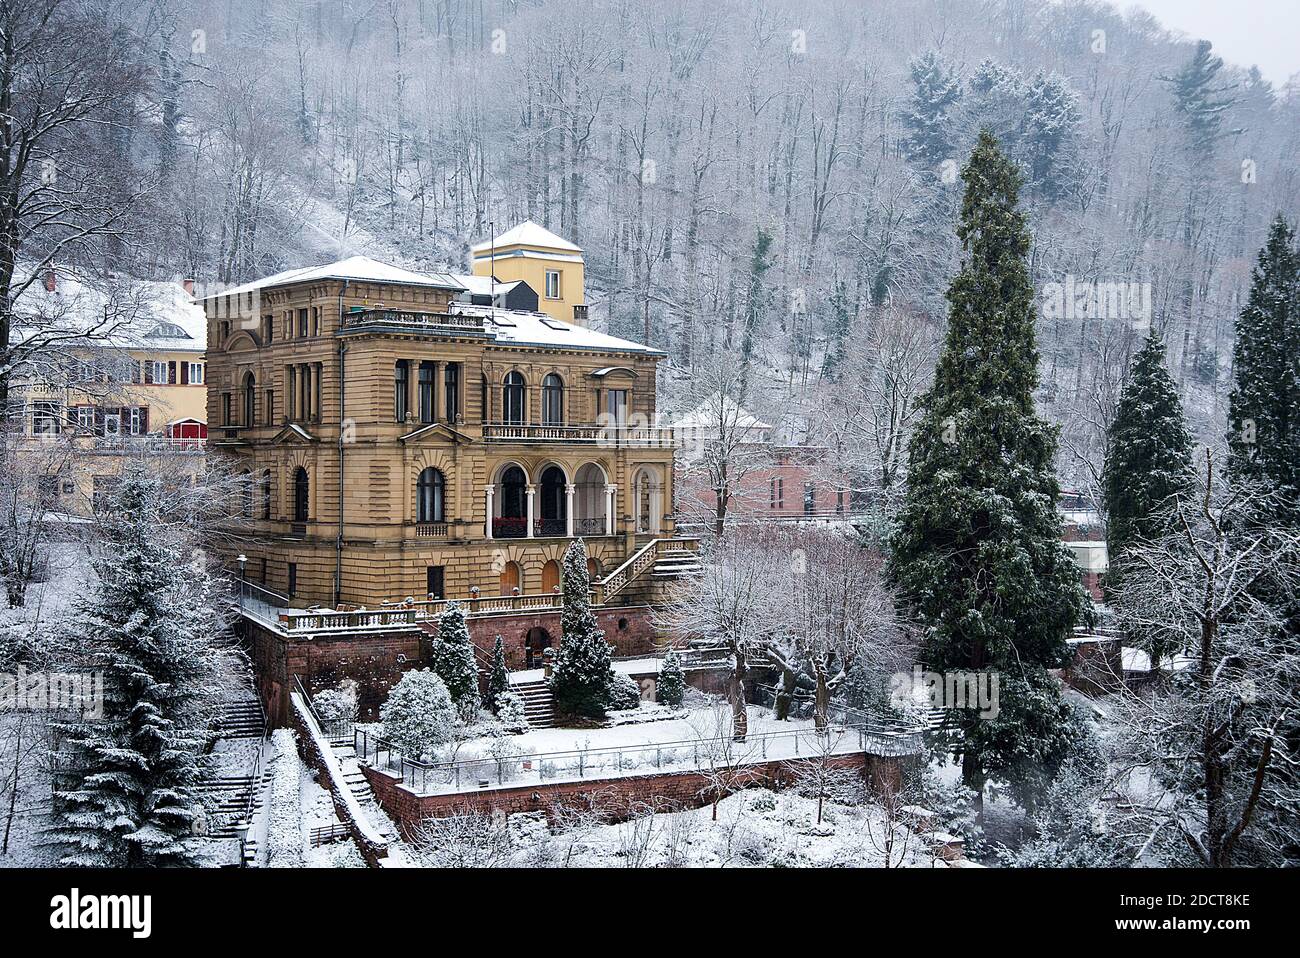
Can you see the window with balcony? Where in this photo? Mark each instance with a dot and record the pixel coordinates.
(512, 399)
(554, 514)
(430, 496)
(401, 390)
(616, 406)
(434, 579)
(513, 517)
(552, 401)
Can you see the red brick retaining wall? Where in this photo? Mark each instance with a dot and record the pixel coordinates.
(613, 798)
(376, 660)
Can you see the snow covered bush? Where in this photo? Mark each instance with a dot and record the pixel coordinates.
(336, 705)
(418, 715)
(670, 689)
(510, 712)
(284, 846)
(624, 693)
(453, 661)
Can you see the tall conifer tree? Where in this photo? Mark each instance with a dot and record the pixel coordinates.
(1148, 453)
(1264, 406)
(977, 555)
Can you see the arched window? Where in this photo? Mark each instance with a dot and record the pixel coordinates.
(266, 494)
(250, 398)
(401, 390)
(512, 399)
(510, 520)
(430, 496)
(550, 576)
(426, 391)
(510, 578)
(553, 502)
(300, 491)
(552, 401)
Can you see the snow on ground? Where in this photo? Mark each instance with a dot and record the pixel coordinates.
(627, 667)
(68, 576)
(754, 828)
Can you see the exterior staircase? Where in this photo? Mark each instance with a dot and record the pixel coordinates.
(241, 718)
(643, 576)
(539, 706)
(232, 793)
(674, 562)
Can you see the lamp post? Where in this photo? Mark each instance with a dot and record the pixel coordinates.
(241, 832)
(243, 563)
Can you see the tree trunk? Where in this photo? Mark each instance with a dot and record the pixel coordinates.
(739, 716)
(972, 775)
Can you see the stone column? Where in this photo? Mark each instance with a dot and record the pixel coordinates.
(610, 492)
(569, 489)
(528, 492)
(489, 491)
(656, 507)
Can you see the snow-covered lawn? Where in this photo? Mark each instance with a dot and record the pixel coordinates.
(754, 828)
(669, 741)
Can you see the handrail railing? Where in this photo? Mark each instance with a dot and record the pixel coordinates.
(872, 736)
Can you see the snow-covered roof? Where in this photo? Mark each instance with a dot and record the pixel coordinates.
(124, 312)
(358, 268)
(516, 327)
(707, 414)
(527, 233)
(483, 285)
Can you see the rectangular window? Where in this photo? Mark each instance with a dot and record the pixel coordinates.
(434, 578)
(196, 374)
(226, 410)
(86, 418)
(451, 382)
(268, 329)
(401, 389)
(270, 406)
(155, 373)
(302, 322)
(291, 384)
(809, 498)
(46, 418)
(137, 420)
(293, 580)
(315, 321)
(426, 392)
(776, 489)
(616, 406)
(552, 284)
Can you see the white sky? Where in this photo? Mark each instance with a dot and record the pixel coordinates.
(1265, 33)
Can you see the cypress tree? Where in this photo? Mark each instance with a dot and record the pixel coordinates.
(453, 660)
(582, 672)
(977, 553)
(1148, 453)
(1264, 406)
(499, 678)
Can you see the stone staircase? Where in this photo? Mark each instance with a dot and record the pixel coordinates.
(644, 576)
(231, 794)
(241, 718)
(539, 706)
(675, 562)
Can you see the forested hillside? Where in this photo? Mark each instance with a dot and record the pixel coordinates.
(768, 180)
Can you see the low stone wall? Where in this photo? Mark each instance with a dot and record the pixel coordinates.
(614, 798)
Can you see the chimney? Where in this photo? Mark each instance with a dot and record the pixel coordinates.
(51, 280)
(189, 286)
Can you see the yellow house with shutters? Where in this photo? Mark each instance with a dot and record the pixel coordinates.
(550, 264)
(134, 387)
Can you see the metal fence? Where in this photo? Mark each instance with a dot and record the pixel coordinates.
(506, 767)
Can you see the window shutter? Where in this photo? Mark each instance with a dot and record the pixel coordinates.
(171, 373)
(144, 420)
(185, 374)
(148, 372)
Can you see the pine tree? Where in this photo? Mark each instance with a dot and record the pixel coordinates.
(1148, 453)
(419, 715)
(671, 687)
(977, 553)
(582, 672)
(928, 116)
(499, 678)
(1049, 135)
(1264, 406)
(148, 626)
(453, 659)
(1201, 100)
